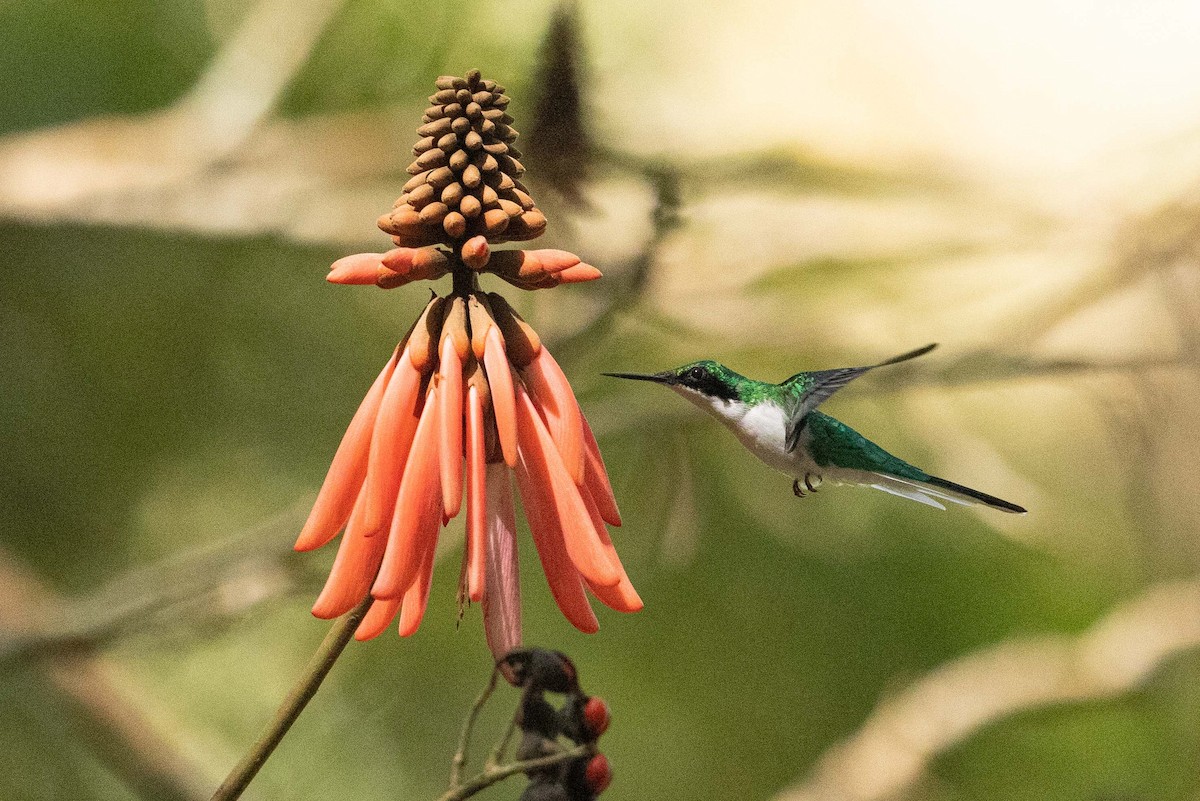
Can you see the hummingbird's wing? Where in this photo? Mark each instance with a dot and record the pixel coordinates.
(816, 388)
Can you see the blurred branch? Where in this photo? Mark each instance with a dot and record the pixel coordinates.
(101, 170)
(232, 575)
(493, 774)
(904, 734)
(293, 703)
(117, 733)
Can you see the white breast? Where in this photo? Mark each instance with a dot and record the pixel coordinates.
(760, 428)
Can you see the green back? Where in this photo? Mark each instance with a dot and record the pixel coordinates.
(835, 444)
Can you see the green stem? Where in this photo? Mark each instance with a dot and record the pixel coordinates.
(464, 741)
(495, 774)
(293, 704)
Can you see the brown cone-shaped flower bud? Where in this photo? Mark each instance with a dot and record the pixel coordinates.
(464, 173)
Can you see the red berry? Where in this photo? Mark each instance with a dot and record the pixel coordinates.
(598, 774)
(596, 716)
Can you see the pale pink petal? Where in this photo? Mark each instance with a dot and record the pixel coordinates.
(361, 268)
(502, 593)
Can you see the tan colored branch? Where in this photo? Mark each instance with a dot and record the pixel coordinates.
(905, 733)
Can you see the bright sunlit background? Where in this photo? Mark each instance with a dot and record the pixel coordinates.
(777, 185)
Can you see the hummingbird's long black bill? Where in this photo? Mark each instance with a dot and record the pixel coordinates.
(657, 378)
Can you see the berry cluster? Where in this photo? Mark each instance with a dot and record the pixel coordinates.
(581, 719)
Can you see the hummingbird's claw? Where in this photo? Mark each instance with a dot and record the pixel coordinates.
(799, 493)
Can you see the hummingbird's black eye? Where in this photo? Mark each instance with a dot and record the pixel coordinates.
(697, 373)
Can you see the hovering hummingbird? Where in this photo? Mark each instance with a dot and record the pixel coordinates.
(780, 425)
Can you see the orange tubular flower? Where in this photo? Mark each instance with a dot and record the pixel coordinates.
(470, 399)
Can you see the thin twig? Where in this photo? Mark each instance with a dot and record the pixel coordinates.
(318, 668)
(498, 752)
(494, 774)
(464, 741)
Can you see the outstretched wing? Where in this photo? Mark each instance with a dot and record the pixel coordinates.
(820, 385)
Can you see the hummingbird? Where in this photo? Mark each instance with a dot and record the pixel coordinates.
(780, 424)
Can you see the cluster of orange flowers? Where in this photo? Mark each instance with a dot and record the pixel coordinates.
(469, 399)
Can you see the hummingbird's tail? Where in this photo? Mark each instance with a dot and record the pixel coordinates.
(931, 489)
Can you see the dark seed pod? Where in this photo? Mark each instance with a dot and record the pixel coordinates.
(459, 160)
(547, 790)
(422, 145)
(447, 142)
(461, 125)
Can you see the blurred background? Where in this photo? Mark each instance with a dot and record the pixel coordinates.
(776, 185)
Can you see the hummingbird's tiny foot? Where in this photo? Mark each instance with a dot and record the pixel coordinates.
(799, 493)
(808, 482)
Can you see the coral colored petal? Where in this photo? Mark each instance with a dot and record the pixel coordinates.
(499, 376)
(450, 442)
(390, 444)
(417, 596)
(476, 497)
(578, 274)
(418, 509)
(354, 567)
(595, 477)
(502, 590)
(565, 583)
(361, 268)
(346, 474)
(564, 502)
(550, 388)
(378, 618)
(622, 597)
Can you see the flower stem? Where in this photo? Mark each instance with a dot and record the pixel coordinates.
(464, 742)
(293, 704)
(494, 774)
